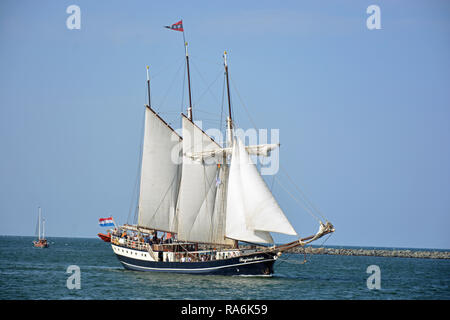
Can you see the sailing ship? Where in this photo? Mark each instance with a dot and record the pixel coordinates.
(209, 201)
(41, 242)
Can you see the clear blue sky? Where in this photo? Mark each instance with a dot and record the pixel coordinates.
(363, 114)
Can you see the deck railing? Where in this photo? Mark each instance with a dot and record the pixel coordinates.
(171, 249)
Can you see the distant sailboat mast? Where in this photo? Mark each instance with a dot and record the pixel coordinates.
(41, 242)
(39, 224)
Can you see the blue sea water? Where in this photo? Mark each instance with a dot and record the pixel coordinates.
(28, 273)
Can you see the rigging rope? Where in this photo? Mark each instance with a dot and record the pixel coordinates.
(174, 179)
(207, 86)
(296, 200)
(302, 193)
(163, 100)
(298, 189)
(273, 180)
(182, 94)
(135, 191)
(304, 253)
(166, 67)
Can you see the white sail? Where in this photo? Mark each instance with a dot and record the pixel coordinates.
(160, 174)
(252, 211)
(197, 197)
(220, 205)
(236, 226)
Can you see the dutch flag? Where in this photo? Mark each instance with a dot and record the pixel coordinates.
(106, 222)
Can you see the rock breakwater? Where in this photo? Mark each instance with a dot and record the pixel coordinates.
(402, 253)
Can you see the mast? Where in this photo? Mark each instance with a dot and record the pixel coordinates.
(43, 228)
(159, 174)
(229, 121)
(148, 89)
(189, 80)
(39, 224)
(179, 27)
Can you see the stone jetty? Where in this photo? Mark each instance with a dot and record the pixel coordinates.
(402, 253)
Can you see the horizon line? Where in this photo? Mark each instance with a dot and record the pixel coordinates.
(337, 245)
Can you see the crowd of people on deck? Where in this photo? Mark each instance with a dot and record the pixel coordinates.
(166, 238)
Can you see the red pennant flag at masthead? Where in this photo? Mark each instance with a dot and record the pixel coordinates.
(176, 26)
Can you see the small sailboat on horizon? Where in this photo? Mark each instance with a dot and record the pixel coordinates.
(41, 242)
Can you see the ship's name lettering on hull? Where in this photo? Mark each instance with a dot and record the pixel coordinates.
(250, 259)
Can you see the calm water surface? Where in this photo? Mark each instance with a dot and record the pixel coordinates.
(30, 273)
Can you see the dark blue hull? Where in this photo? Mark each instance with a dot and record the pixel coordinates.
(257, 264)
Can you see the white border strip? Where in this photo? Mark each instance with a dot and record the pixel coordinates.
(197, 269)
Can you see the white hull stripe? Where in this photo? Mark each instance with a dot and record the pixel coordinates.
(198, 269)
